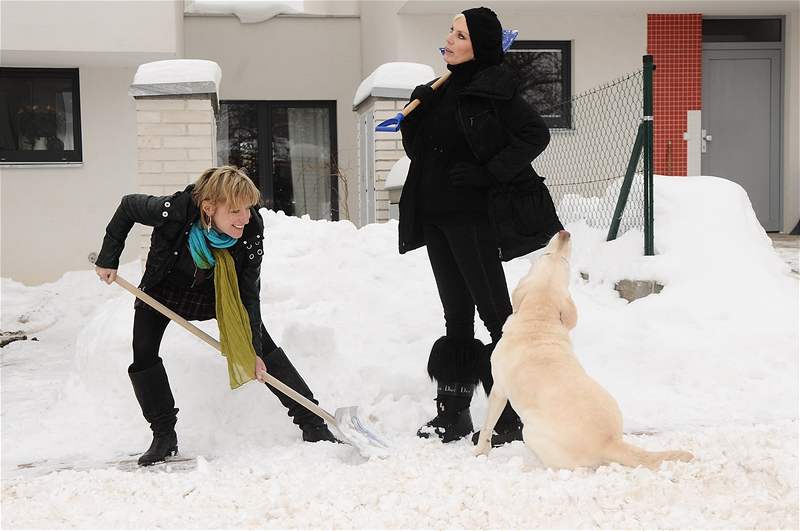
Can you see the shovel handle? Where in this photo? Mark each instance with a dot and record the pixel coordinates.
(282, 387)
(436, 84)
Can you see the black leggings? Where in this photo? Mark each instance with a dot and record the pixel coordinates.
(469, 273)
(148, 330)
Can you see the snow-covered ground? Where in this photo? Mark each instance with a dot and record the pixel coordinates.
(708, 365)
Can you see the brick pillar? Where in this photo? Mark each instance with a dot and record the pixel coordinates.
(388, 150)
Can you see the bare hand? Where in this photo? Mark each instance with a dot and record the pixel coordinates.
(261, 369)
(106, 275)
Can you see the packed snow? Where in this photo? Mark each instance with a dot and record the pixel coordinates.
(247, 11)
(178, 71)
(708, 365)
(393, 77)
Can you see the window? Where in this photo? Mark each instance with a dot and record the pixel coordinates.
(741, 30)
(288, 149)
(39, 115)
(544, 67)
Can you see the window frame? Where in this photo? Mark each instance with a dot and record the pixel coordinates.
(565, 47)
(21, 157)
(265, 164)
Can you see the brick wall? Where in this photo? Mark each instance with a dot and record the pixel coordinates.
(675, 42)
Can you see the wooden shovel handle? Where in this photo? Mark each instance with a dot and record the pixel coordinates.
(282, 387)
(436, 84)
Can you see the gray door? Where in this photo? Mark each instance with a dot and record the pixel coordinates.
(741, 119)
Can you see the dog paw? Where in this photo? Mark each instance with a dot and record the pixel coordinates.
(482, 449)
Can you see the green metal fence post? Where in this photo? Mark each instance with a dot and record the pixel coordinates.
(625, 189)
(648, 153)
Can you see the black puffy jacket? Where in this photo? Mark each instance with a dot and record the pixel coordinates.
(171, 217)
(505, 135)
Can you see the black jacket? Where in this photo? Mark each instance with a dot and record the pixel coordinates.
(171, 217)
(505, 135)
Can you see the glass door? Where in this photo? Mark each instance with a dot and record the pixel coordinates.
(288, 149)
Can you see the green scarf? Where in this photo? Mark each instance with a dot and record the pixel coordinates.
(234, 323)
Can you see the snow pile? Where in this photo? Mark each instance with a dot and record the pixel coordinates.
(710, 364)
(394, 77)
(178, 71)
(248, 11)
(397, 175)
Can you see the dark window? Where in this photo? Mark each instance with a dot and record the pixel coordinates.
(544, 67)
(288, 149)
(741, 30)
(40, 119)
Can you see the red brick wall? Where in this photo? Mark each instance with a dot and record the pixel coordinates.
(675, 42)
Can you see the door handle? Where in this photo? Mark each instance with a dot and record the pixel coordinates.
(704, 139)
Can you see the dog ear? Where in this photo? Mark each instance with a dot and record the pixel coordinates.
(569, 312)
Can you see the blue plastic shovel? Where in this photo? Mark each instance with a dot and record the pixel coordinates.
(392, 125)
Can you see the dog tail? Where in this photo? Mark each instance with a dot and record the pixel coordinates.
(633, 456)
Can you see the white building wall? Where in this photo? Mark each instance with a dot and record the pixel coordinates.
(53, 216)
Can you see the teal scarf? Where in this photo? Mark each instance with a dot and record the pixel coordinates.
(199, 241)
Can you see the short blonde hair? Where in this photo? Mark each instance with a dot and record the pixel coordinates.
(225, 185)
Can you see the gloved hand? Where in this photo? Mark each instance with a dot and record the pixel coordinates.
(466, 175)
(423, 93)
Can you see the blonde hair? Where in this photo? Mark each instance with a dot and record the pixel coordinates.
(225, 185)
(458, 16)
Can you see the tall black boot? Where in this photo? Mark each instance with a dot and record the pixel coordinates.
(453, 364)
(314, 428)
(152, 390)
(509, 425)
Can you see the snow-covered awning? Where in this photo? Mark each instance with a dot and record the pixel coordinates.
(393, 80)
(248, 11)
(177, 76)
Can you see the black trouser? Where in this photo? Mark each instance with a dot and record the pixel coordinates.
(469, 273)
(148, 330)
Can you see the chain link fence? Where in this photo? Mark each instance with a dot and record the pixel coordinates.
(584, 166)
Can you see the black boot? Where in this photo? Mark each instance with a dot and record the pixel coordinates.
(509, 425)
(453, 420)
(314, 428)
(453, 364)
(151, 388)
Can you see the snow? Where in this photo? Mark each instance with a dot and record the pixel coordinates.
(248, 11)
(397, 175)
(393, 76)
(709, 365)
(178, 71)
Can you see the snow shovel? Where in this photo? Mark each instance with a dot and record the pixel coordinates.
(348, 427)
(392, 125)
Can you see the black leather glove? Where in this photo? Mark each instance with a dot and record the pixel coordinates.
(423, 93)
(466, 175)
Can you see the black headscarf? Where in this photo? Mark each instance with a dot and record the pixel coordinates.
(486, 35)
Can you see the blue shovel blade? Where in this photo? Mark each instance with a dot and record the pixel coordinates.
(392, 125)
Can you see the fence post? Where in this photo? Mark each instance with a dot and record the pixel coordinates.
(647, 104)
(625, 189)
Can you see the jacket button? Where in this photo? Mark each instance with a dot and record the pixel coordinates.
(259, 252)
(166, 204)
(251, 257)
(175, 253)
(164, 214)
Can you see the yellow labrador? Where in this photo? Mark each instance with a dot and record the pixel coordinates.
(570, 420)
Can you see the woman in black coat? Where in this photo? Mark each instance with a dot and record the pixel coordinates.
(473, 199)
(222, 203)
